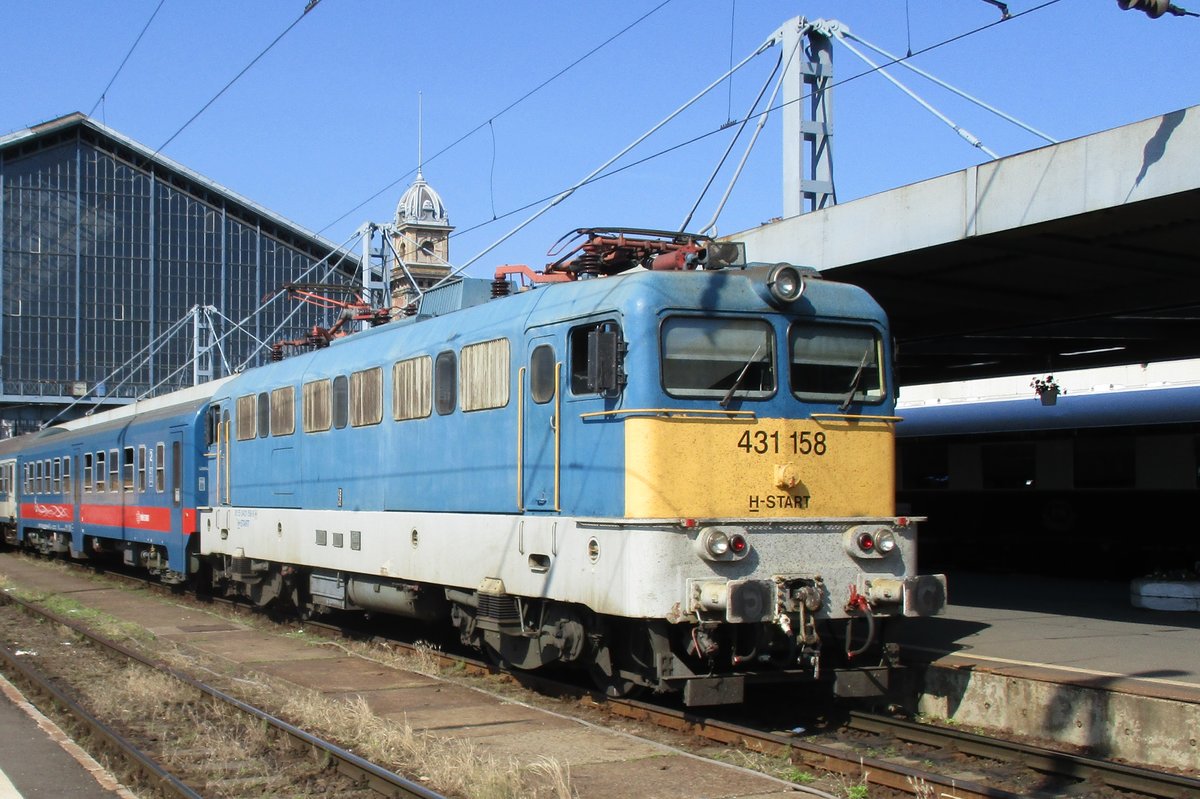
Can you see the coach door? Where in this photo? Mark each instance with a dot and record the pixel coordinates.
(540, 444)
(218, 430)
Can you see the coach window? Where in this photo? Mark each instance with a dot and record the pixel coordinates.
(341, 401)
(114, 471)
(141, 469)
(38, 472)
(484, 372)
(412, 388)
(1009, 465)
(264, 414)
(246, 415)
(66, 475)
(836, 363)
(541, 374)
(127, 469)
(100, 471)
(87, 472)
(366, 397)
(445, 392)
(316, 401)
(283, 411)
(160, 468)
(56, 468)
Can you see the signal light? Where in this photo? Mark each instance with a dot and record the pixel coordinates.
(866, 542)
(722, 543)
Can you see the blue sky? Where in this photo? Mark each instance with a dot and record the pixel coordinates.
(323, 129)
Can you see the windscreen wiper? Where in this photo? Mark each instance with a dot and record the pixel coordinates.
(741, 376)
(858, 373)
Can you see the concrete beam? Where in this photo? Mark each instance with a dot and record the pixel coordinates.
(1141, 161)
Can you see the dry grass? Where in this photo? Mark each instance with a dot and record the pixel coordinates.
(450, 765)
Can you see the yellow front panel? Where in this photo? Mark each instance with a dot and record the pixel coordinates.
(769, 468)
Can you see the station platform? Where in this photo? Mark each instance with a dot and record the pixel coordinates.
(1066, 660)
(39, 760)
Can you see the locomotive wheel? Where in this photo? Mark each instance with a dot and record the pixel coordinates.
(626, 650)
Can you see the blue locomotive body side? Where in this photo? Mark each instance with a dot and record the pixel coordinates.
(466, 460)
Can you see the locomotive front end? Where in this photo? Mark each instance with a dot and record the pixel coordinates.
(763, 478)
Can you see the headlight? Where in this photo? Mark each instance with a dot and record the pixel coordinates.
(885, 542)
(869, 541)
(722, 543)
(785, 283)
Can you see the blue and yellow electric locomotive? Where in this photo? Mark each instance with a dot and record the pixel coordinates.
(673, 476)
(655, 463)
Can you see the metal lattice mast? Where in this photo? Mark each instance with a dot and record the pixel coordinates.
(807, 117)
(203, 343)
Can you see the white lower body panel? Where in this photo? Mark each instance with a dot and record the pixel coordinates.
(636, 569)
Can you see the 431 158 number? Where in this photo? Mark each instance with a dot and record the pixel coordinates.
(760, 442)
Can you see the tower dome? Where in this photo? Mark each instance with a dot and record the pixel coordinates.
(421, 205)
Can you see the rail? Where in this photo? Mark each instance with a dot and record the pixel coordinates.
(362, 771)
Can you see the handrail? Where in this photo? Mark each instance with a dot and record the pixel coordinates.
(558, 365)
(669, 412)
(521, 440)
(855, 417)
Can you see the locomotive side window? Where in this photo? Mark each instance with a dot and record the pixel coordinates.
(100, 472)
(160, 467)
(341, 401)
(718, 358)
(283, 411)
(484, 372)
(87, 472)
(541, 374)
(836, 363)
(264, 415)
(246, 417)
(412, 388)
(127, 469)
(366, 397)
(141, 469)
(445, 394)
(316, 400)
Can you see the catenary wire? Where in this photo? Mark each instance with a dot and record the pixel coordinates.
(504, 110)
(309, 7)
(132, 47)
(715, 131)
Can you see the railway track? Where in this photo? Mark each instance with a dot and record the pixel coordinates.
(934, 768)
(142, 760)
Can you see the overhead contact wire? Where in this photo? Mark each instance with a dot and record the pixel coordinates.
(311, 5)
(132, 47)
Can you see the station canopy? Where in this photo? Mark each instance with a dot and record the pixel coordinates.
(1079, 254)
